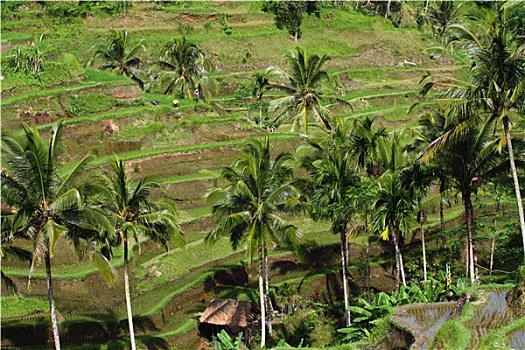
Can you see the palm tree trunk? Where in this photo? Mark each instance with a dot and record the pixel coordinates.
(444, 239)
(442, 215)
(492, 254)
(261, 299)
(424, 252)
(470, 248)
(368, 264)
(128, 297)
(399, 260)
(402, 267)
(344, 255)
(516, 181)
(54, 324)
(474, 255)
(269, 308)
(498, 201)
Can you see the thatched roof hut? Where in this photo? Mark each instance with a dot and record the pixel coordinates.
(227, 312)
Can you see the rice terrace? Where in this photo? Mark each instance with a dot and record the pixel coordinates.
(262, 175)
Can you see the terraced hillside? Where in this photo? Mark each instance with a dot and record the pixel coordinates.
(185, 147)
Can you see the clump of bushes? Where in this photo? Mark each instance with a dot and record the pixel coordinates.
(84, 104)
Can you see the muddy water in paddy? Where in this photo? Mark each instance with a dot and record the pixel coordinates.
(491, 313)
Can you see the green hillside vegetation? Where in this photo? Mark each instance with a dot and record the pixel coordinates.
(381, 196)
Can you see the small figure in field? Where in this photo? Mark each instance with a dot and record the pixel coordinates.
(175, 103)
(197, 95)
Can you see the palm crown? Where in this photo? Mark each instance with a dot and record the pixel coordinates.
(183, 64)
(257, 189)
(303, 91)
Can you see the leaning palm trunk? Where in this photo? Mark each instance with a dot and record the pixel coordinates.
(52, 309)
(470, 247)
(387, 13)
(444, 239)
(515, 179)
(128, 297)
(498, 201)
(367, 253)
(400, 273)
(269, 308)
(261, 299)
(424, 251)
(344, 257)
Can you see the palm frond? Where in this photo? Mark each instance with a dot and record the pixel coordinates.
(69, 200)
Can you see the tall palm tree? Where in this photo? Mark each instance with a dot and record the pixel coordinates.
(136, 217)
(120, 55)
(395, 201)
(261, 83)
(47, 204)
(257, 189)
(496, 78)
(364, 141)
(440, 15)
(183, 64)
(430, 127)
(392, 214)
(333, 188)
(303, 91)
(418, 178)
(472, 159)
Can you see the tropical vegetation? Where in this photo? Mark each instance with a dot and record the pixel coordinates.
(369, 160)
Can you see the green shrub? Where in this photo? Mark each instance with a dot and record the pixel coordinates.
(323, 334)
(81, 105)
(95, 75)
(29, 61)
(139, 131)
(66, 11)
(72, 65)
(10, 9)
(453, 334)
(66, 70)
(16, 307)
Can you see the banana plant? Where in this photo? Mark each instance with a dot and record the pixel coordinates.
(227, 342)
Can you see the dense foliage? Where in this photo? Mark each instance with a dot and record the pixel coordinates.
(426, 202)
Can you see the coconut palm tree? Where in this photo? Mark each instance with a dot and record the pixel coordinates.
(303, 91)
(472, 159)
(495, 82)
(333, 188)
(120, 55)
(136, 217)
(440, 15)
(256, 190)
(46, 204)
(261, 83)
(183, 64)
